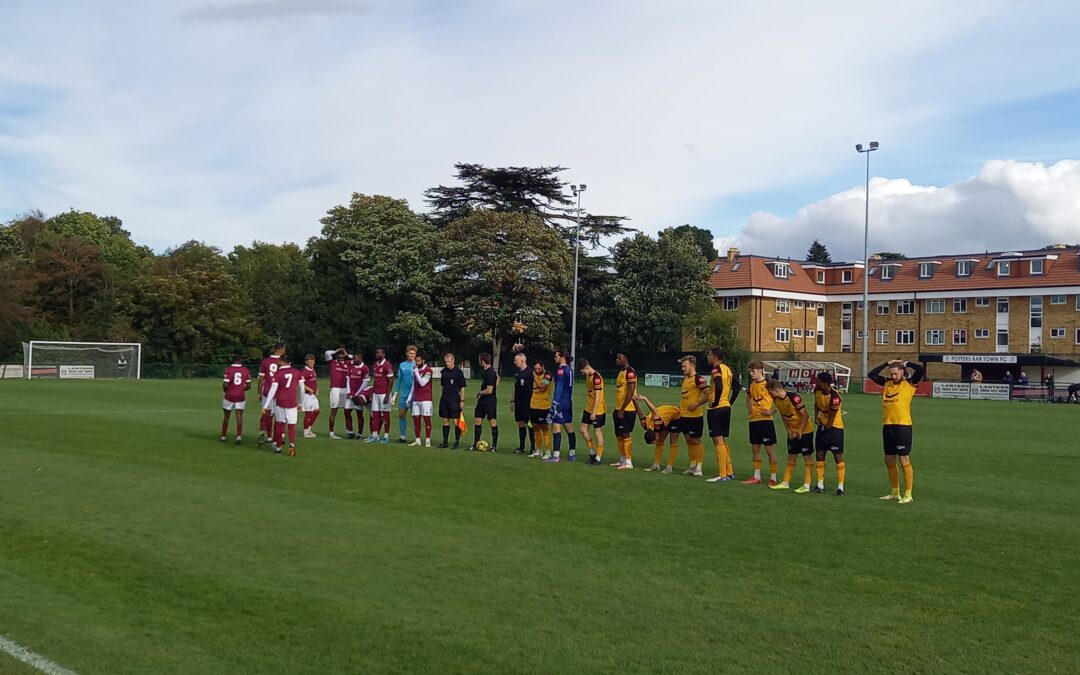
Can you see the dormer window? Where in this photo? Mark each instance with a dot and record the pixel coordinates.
(1036, 267)
(926, 270)
(735, 267)
(964, 268)
(1003, 267)
(716, 267)
(845, 276)
(887, 272)
(821, 276)
(781, 270)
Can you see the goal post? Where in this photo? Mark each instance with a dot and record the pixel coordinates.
(82, 360)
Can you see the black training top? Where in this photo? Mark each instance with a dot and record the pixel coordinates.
(523, 386)
(488, 379)
(453, 381)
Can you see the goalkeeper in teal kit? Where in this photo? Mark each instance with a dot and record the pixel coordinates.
(403, 389)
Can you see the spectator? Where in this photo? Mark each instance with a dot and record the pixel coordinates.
(1007, 379)
(1023, 381)
(1048, 381)
(976, 376)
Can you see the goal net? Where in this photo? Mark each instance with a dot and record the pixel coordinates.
(82, 360)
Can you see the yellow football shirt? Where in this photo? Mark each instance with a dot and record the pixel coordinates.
(761, 404)
(594, 394)
(691, 386)
(621, 383)
(667, 413)
(541, 400)
(721, 380)
(896, 402)
(825, 405)
(790, 409)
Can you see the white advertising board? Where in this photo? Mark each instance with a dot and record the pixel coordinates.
(76, 372)
(952, 390)
(990, 392)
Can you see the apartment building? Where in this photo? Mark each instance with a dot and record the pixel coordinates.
(1009, 309)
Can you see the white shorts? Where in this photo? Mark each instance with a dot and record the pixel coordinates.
(339, 398)
(285, 415)
(311, 402)
(421, 408)
(380, 403)
(233, 405)
(262, 403)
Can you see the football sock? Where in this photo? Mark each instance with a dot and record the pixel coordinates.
(225, 427)
(894, 479)
(446, 433)
(416, 426)
(573, 441)
(359, 422)
(457, 433)
(598, 448)
(314, 416)
(557, 441)
(494, 437)
(427, 428)
(348, 420)
(730, 466)
(376, 423)
(789, 469)
(292, 434)
(909, 479)
(658, 452)
(522, 433)
(807, 473)
(757, 469)
(772, 470)
(401, 424)
(532, 438)
(476, 434)
(589, 444)
(333, 418)
(841, 471)
(673, 453)
(820, 466)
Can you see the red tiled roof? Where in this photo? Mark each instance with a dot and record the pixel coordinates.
(755, 272)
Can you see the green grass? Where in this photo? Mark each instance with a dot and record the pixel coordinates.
(131, 541)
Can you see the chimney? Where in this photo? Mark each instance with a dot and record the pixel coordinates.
(732, 253)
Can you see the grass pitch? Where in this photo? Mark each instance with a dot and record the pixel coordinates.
(132, 541)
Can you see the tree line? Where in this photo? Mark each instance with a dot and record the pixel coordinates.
(490, 265)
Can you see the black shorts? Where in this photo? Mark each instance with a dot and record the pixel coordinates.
(803, 445)
(624, 425)
(522, 413)
(450, 408)
(762, 432)
(691, 427)
(601, 419)
(486, 409)
(829, 440)
(896, 439)
(720, 422)
(538, 416)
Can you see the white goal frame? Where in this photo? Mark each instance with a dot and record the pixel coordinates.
(29, 365)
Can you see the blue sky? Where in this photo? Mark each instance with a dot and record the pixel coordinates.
(241, 119)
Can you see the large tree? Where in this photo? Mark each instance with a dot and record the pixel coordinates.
(702, 237)
(505, 274)
(188, 308)
(656, 283)
(277, 281)
(818, 253)
(709, 326)
(390, 251)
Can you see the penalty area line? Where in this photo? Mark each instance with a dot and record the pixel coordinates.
(30, 658)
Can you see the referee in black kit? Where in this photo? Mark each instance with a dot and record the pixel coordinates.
(523, 388)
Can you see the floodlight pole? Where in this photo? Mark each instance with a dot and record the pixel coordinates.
(866, 264)
(577, 190)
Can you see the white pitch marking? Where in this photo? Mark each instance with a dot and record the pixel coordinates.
(28, 657)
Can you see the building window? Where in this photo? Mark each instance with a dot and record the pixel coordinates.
(821, 339)
(1057, 299)
(810, 333)
(905, 306)
(905, 337)
(959, 305)
(1078, 303)
(882, 307)
(1003, 337)
(926, 270)
(1057, 333)
(1003, 305)
(782, 306)
(731, 304)
(959, 336)
(982, 302)
(1078, 336)
(821, 309)
(982, 333)
(796, 332)
(845, 277)
(934, 337)
(887, 272)
(799, 304)
(781, 270)
(1036, 311)
(881, 337)
(821, 276)
(1003, 268)
(964, 268)
(935, 306)
(859, 333)
(1036, 267)
(783, 335)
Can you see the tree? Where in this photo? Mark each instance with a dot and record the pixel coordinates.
(68, 271)
(707, 326)
(389, 249)
(889, 255)
(187, 308)
(702, 237)
(516, 189)
(107, 232)
(504, 274)
(818, 253)
(277, 281)
(656, 283)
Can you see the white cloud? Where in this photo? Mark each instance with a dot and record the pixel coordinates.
(1007, 205)
(216, 129)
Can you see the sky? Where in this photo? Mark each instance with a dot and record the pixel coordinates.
(235, 120)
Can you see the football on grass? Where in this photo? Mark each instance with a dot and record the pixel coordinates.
(483, 446)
